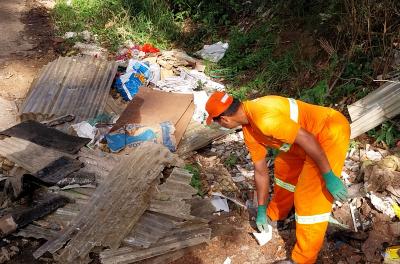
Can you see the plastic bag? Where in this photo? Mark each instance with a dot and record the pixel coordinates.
(137, 74)
(133, 134)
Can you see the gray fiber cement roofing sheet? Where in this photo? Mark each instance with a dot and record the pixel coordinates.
(46, 137)
(70, 85)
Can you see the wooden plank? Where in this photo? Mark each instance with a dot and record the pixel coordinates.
(116, 205)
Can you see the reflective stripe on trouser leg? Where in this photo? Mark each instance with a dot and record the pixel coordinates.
(312, 219)
(287, 170)
(285, 185)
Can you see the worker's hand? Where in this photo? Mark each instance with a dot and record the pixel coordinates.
(262, 220)
(335, 186)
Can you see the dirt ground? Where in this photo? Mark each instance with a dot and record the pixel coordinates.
(25, 45)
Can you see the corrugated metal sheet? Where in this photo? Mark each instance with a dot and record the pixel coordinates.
(70, 85)
(375, 108)
(116, 205)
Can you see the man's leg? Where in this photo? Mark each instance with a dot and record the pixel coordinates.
(287, 171)
(313, 202)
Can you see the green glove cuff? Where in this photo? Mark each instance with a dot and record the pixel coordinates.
(262, 209)
(328, 175)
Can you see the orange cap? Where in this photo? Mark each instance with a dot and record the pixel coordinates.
(217, 104)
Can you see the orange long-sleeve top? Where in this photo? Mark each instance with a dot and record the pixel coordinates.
(270, 124)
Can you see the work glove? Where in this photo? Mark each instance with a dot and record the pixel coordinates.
(262, 221)
(335, 186)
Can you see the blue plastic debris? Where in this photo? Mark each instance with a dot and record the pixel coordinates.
(137, 74)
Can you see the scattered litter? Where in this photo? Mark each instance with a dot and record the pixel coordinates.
(214, 52)
(91, 50)
(392, 255)
(220, 204)
(229, 198)
(263, 237)
(382, 204)
(70, 34)
(132, 135)
(85, 130)
(227, 261)
(137, 74)
(189, 81)
(373, 155)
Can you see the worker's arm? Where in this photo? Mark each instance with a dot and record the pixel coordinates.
(313, 149)
(261, 177)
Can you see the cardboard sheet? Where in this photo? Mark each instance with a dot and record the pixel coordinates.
(150, 107)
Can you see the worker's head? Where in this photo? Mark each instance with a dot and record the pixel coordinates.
(222, 109)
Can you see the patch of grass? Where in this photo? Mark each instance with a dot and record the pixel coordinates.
(317, 94)
(195, 182)
(387, 133)
(115, 21)
(231, 160)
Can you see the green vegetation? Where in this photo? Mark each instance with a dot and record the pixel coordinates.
(115, 21)
(326, 52)
(387, 133)
(196, 181)
(231, 160)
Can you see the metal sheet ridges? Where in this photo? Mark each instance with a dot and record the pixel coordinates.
(70, 85)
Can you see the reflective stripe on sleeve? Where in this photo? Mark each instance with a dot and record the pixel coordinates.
(287, 186)
(312, 219)
(294, 110)
(294, 116)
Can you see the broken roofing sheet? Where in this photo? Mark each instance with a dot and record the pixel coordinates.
(101, 221)
(158, 230)
(70, 85)
(28, 155)
(151, 107)
(46, 137)
(375, 108)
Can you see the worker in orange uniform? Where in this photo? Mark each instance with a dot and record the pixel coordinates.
(313, 142)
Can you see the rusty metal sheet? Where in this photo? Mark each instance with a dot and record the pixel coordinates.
(116, 205)
(28, 155)
(70, 85)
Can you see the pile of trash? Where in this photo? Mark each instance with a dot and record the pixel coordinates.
(372, 213)
(103, 135)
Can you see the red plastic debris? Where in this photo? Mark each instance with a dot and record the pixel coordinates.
(149, 48)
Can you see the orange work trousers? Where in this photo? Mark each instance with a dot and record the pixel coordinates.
(298, 181)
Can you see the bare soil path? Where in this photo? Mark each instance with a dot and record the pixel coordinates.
(25, 45)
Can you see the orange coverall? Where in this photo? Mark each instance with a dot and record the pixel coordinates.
(274, 122)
